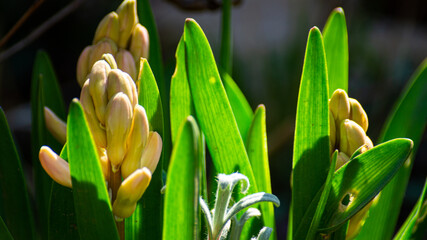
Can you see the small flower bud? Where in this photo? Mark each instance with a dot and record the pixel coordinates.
(368, 143)
(136, 141)
(126, 63)
(332, 132)
(110, 60)
(108, 28)
(56, 167)
(102, 47)
(95, 126)
(342, 159)
(139, 43)
(357, 221)
(357, 114)
(152, 151)
(352, 137)
(83, 66)
(119, 81)
(118, 123)
(127, 20)
(98, 88)
(55, 125)
(130, 191)
(339, 105)
(105, 163)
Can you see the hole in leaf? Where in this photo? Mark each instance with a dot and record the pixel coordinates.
(346, 200)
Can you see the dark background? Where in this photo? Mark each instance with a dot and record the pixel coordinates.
(387, 41)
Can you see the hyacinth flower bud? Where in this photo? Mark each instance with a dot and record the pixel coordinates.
(83, 66)
(152, 151)
(102, 47)
(98, 88)
(95, 126)
(126, 63)
(332, 133)
(130, 191)
(110, 60)
(352, 137)
(56, 167)
(105, 163)
(137, 139)
(127, 20)
(108, 28)
(118, 120)
(342, 159)
(357, 114)
(357, 221)
(339, 105)
(119, 81)
(139, 43)
(55, 125)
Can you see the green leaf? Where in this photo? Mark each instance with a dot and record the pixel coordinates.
(62, 217)
(45, 91)
(241, 109)
(181, 104)
(311, 142)
(15, 206)
(4, 232)
(415, 225)
(336, 49)
(181, 215)
(361, 179)
(91, 200)
(408, 119)
(146, 221)
(258, 156)
(213, 110)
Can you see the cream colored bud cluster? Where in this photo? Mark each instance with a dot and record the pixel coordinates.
(120, 34)
(348, 124)
(121, 133)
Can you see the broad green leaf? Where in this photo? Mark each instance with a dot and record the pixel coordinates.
(213, 110)
(91, 200)
(226, 55)
(361, 179)
(258, 157)
(415, 225)
(62, 217)
(146, 221)
(336, 49)
(408, 119)
(241, 109)
(15, 206)
(181, 214)
(4, 232)
(181, 104)
(311, 142)
(45, 91)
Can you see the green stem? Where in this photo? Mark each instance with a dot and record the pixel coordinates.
(226, 37)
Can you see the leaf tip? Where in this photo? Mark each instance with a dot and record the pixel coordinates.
(339, 10)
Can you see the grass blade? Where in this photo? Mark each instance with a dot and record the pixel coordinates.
(181, 217)
(336, 48)
(361, 179)
(15, 206)
(311, 143)
(415, 225)
(408, 119)
(4, 232)
(91, 201)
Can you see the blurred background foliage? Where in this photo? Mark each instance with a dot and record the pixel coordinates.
(387, 41)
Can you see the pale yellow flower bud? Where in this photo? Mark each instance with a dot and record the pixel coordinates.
(83, 66)
(342, 159)
(56, 167)
(332, 133)
(102, 47)
(110, 60)
(357, 114)
(130, 191)
(126, 63)
(136, 142)
(152, 151)
(368, 143)
(97, 130)
(139, 43)
(118, 120)
(352, 137)
(98, 88)
(108, 28)
(55, 125)
(105, 163)
(339, 105)
(127, 20)
(119, 81)
(357, 221)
